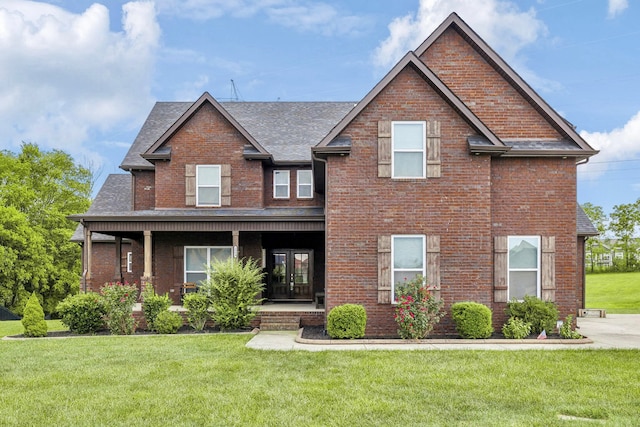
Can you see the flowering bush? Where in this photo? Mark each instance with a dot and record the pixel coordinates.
(418, 310)
(119, 299)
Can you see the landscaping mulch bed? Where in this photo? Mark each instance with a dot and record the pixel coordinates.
(319, 333)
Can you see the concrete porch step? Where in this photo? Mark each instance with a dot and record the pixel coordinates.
(279, 322)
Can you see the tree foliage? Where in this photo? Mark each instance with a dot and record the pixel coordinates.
(624, 220)
(38, 190)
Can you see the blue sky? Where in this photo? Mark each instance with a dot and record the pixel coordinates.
(82, 75)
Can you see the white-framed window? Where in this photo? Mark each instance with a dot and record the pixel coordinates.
(197, 259)
(408, 142)
(208, 185)
(524, 267)
(129, 262)
(305, 184)
(408, 259)
(280, 184)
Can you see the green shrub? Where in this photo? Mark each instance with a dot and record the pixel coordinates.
(33, 318)
(542, 315)
(347, 321)
(82, 313)
(119, 300)
(516, 328)
(418, 310)
(197, 306)
(153, 304)
(168, 322)
(567, 331)
(234, 286)
(473, 320)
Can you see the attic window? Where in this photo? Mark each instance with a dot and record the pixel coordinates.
(208, 185)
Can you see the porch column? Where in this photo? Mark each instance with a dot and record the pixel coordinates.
(235, 234)
(86, 274)
(117, 276)
(147, 275)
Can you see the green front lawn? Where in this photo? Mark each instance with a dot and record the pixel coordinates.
(216, 380)
(14, 327)
(616, 292)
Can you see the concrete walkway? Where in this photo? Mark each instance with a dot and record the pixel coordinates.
(614, 331)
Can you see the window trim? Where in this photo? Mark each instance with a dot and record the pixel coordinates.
(276, 185)
(219, 186)
(538, 268)
(310, 185)
(205, 271)
(423, 150)
(393, 268)
(129, 262)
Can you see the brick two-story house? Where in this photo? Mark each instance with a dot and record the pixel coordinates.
(451, 167)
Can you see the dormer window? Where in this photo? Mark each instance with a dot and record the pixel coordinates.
(305, 184)
(208, 185)
(281, 184)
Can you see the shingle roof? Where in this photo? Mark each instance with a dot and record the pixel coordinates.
(584, 225)
(161, 117)
(114, 196)
(287, 130)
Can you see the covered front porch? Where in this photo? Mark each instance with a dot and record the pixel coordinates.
(170, 252)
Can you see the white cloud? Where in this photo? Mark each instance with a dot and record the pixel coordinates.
(319, 17)
(500, 23)
(304, 16)
(67, 77)
(616, 7)
(619, 144)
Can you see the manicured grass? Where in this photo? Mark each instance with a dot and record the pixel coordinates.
(216, 380)
(616, 292)
(14, 327)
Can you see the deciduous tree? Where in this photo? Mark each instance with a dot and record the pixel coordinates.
(41, 189)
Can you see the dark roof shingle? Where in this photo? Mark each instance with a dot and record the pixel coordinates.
(287, 130)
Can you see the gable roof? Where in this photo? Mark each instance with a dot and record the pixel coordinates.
(286, 130)
(476, 42)
(411, 60)
(155, 150)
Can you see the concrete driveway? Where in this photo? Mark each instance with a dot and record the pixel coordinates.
(613, 331)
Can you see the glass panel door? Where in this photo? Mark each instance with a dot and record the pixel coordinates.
(301, 283)
(279, 275)
(290, 274)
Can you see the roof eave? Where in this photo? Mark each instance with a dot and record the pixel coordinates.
(198, 218)
(328, 150)
(549, 153)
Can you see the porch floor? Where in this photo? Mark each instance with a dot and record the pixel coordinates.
(271, 307)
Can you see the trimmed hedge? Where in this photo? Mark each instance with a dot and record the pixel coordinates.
(472, 319)
(82, 313)
(347, 321)
(542, 315)
(167, 322)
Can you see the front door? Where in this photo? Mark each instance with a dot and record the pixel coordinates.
(290, 274)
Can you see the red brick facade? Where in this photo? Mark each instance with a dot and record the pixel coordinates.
(478, 194)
